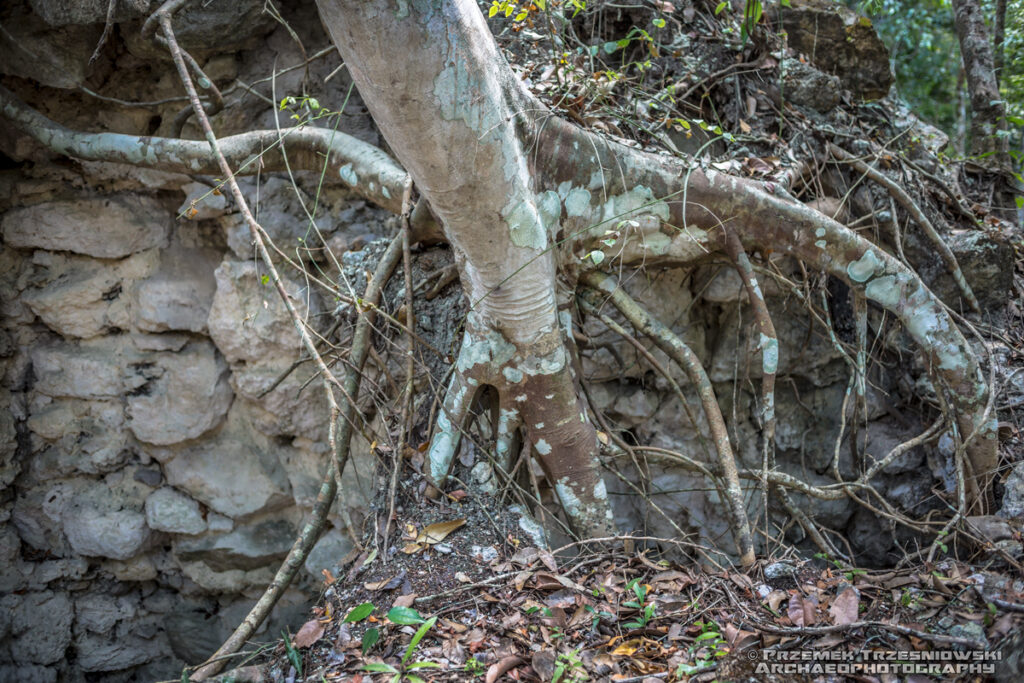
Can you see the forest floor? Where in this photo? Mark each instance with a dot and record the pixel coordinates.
(477, 601)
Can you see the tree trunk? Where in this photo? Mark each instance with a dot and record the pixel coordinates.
(462, 126)
(998, 39)
(988, 113)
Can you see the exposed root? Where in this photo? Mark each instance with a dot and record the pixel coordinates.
(900, 195)
(687, 360)
(536, 393)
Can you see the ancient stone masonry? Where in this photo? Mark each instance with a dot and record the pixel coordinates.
(149, 481)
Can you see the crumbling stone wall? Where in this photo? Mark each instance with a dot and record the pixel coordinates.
(149, 483)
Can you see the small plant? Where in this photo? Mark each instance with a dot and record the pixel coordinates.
(294, 658)
(569, 668)
(406, 616)
(707, 646)
(474, 667)
(646, 610)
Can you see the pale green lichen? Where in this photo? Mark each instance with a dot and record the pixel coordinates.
(865, 267)
(524, 224)
(769, 354)
(514, 375)
(543, 447)
(574, 507)
(348, 175)
(577, 202)
(821, 244)
(884, 290)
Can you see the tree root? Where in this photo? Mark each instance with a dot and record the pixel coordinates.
(677, 350)
(536, 393)
(911, 206)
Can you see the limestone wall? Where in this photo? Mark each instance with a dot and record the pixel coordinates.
(150, 483)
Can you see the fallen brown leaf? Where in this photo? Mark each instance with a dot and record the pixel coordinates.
(844, 608)
(502, 666)
(435, 533)
(405, 600)
(310, 632)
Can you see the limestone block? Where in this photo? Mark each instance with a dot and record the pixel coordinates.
(839, 41)
(1013, 494)
(235, 471)
(247, 547)
(248, 321)
(29, 48)
(99, 612)
(86, 370)
(180, 396)
(295, 406)
(89, 436)
(327, 554)
(171, 511)
(83, 297)
(139, 568)
(231, 581)
(117, 534)
(99, 653)
(202, 199)
(179, 294)
(41, 627)
(104, 227)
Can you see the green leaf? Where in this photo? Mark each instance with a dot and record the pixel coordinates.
(541, 4)
(359, 612)
(707, 636)
(405, 616)
(413, 678)
(380, 667)
(424, 665)
(721, 6)
(265, 279)
(494, 10)
(418, 637)
(522, 15)
(659, 22)
(370, 639)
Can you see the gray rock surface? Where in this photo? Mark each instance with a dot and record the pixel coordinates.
(84, 297)
(179, 294)
(41, 641)
(117, 534)
(236, 472)
(327, 554)
(248, 547)
(171, 511)
(1013, 494)
(179, 396)
(104, 227)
